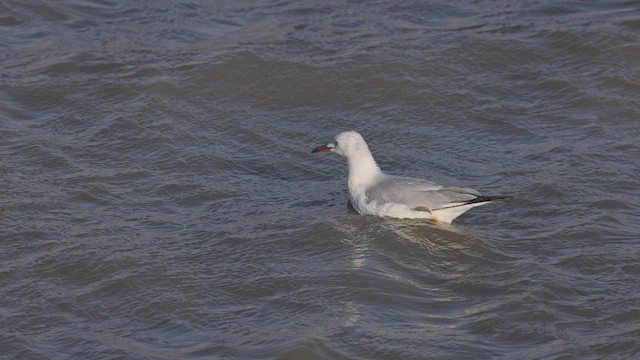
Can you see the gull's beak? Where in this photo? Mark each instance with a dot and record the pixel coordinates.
(322, 148)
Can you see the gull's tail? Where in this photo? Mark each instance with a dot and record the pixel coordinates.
(480, 200)
(451, 211)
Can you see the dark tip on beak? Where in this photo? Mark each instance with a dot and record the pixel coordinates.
(321, 148)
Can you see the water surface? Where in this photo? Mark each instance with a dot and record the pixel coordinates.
(159, 199)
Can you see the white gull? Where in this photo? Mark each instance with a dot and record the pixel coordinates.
(373, 192)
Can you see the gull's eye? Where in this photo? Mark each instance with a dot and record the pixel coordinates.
(336, 143)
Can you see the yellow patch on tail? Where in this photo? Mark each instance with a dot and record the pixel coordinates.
(436, 219)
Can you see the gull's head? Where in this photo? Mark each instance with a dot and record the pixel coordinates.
(346, 144)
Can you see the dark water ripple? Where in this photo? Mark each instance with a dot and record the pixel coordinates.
(159, 200)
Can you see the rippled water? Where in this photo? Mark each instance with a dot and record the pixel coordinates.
(159, 199)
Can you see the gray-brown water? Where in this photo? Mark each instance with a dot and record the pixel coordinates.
(158, 197)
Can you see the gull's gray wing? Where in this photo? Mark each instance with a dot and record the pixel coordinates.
(418, 194)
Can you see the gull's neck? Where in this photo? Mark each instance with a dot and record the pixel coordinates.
(363, 169)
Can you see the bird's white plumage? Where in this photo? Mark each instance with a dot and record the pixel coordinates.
(373, 192)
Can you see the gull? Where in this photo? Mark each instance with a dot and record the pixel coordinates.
(373, 192)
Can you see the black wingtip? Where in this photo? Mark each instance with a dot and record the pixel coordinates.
(477, 200)
(481, 199)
